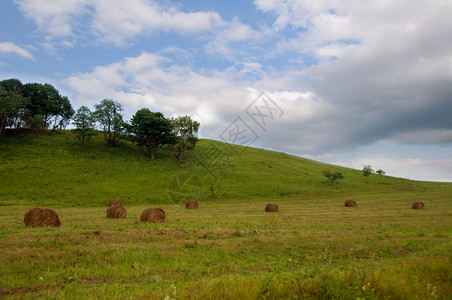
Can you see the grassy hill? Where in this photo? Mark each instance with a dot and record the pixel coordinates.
(55, 170)
(229, 248)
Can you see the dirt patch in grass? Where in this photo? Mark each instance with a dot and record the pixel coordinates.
(21, 291)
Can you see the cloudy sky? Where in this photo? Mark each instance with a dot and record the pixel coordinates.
(345, 82)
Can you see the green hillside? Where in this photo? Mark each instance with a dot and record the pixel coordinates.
(54, 170)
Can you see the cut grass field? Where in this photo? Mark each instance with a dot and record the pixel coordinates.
(230, 248)
(313, 248)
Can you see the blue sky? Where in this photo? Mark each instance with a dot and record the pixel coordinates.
(344, 82)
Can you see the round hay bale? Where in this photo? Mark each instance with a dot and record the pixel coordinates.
(115, 202)
(271, 207)
(39, 216)
(116, 212)
(417, 205)
(191, 204)
(153, 215)
(350, 203)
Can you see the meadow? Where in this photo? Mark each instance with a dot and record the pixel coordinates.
(312, 249)
(229, 248)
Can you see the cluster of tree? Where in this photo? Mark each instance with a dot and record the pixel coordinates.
(367, 170)
(32, 107)
(148, 129)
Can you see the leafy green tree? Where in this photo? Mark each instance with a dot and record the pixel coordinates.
(7, 109)
(84, 124)
(108, 113)
(46, 102)
(380, 172)
(12, 85)
(367, 170)
(151, 129)
(65, 114)
(186, 132)
(12, 105)
(332, 176)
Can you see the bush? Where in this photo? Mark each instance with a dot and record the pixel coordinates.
(332, 177)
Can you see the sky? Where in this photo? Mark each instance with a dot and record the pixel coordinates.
(345, 82)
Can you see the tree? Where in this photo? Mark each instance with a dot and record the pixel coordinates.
(151, 129)
(109, 115)
(65, 114)
(12, 105)
(367, 170)
(7, 110)
(46, 102)
(380, 172)
(12, 85)
(332, 177)
(186, 132)
(84, 123)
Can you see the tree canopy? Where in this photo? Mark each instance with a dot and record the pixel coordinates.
(12, 104)
(46, 102)
(186, 132)
(151, 129)
(108, 113)
(84, 124)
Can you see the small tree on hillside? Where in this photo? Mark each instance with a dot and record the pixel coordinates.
(380, 172)
(109, 115)
(186, 131)
(332, 176)
(367, 170)
(84, 123)
(151, 129)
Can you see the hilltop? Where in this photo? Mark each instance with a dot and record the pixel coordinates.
(55, 170)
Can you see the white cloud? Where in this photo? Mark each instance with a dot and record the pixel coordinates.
(112, 21)
(227, 38)
(118, 21)
(7, 47)
(153, 81)
(56, 18)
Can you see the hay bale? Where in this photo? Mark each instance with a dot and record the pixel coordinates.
(116, 212)
(39, 216)
(417, 205)
(115, 202)
(271, 207)
(350, 203)
(153, 215)
(191, 204)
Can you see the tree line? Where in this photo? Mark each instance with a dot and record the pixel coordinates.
(35, 108)
(32, 108)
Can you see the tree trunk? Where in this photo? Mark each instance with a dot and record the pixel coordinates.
(152, 148)
(180, 151)
(2, 127)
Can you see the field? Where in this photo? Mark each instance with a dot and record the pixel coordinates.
(313, 249)
(230, 248)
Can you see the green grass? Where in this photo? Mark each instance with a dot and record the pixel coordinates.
(314, 248)
(54, 170)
